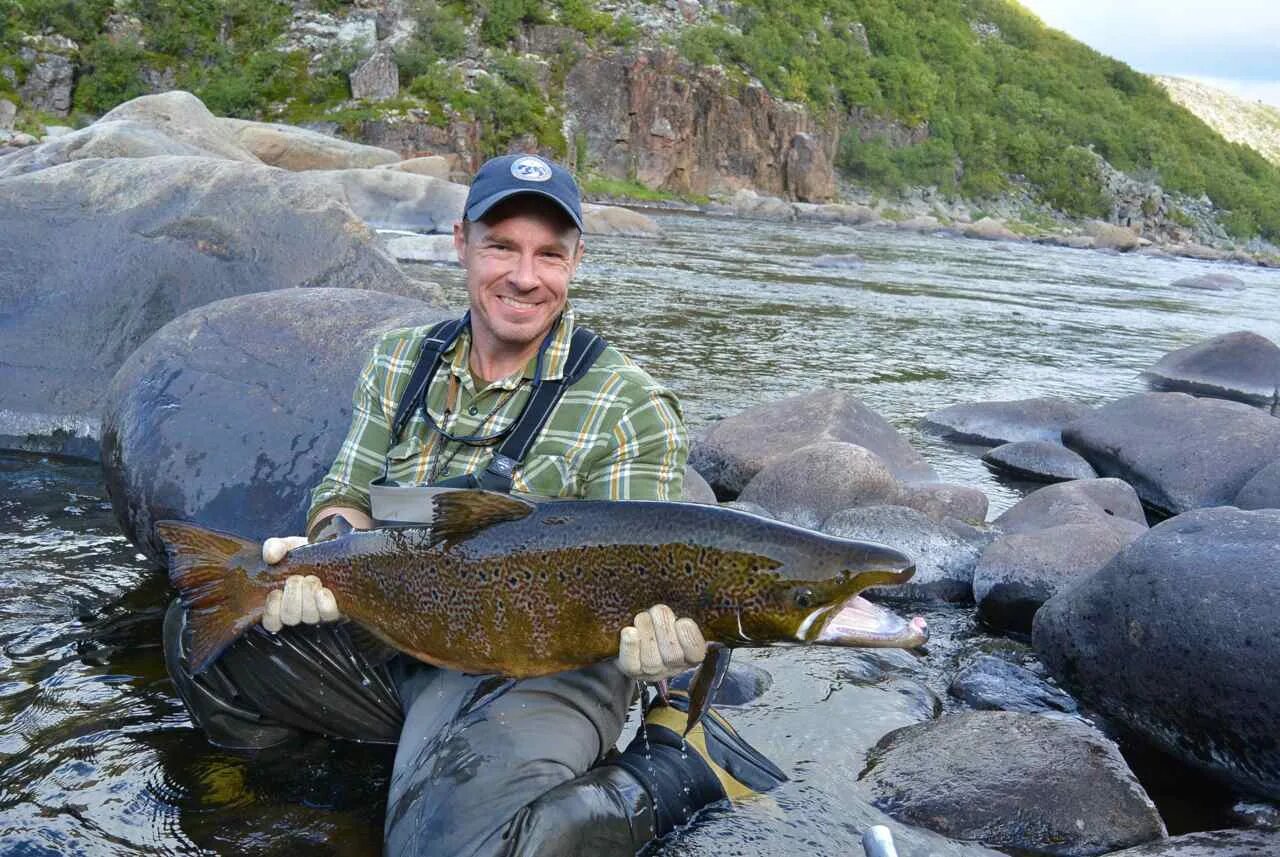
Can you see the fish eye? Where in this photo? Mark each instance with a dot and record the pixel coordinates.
(803, 598)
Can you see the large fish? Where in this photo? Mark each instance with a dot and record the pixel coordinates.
(496, 584)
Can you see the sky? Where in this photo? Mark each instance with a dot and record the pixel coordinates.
(1231, 44)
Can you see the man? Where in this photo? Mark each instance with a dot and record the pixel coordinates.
(485, 765)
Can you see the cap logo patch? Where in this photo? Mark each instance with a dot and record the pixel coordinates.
(531, 169)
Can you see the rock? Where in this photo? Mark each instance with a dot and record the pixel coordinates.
(181, 232)
(123, 138)
(990, 229)
(1014, 781)
(376, 79)
(1107, 236)
(1262, 491)
(1265, 816)
(940, 501)
(1210, 843)
(944, 560)
(53, 132)
(1210, 283)
(1038, 460)
(1018, 572)
(989, 683)
(22, 139)
(1242, 366)
(292, 148)
(735, 449)
(840, 260)
(232, 412)
(1079, 501)
(809, 176)
(1177, 451)
(696, 489)
(391, 199)
(807, 486)
(995, 423)
(616, 220)
(1178, 639)
(412, 247)
(8, 113)
(50, 73)
(182, 117)
(432, 166)
(920, 223)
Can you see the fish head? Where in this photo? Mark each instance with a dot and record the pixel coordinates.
(814, 600)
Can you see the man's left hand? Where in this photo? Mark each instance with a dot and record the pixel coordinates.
(659, 646)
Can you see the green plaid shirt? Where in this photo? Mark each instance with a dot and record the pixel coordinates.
(615, 435)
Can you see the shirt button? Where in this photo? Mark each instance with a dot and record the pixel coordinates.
(473, 410)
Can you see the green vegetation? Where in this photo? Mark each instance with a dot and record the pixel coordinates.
(598, 186)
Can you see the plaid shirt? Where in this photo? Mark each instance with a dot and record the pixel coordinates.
(615, 435)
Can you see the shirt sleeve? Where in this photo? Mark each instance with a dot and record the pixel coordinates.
(647, 453)
(361, 455)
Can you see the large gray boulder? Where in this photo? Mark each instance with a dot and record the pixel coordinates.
(119, 138)
(994, 423)
(944, 559)
(1242, 366)
(1177, 451)
(988, 683)
(735, 449)
(1078, 501)
(183, 117)
(99, 254)
(1023, 783)
(1038, 461)
(1210, 843)
(1262, 491)
(1178, 637)
(232, 412)
(807, 486)
(293, 148)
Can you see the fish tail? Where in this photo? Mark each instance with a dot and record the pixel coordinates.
(217, 577)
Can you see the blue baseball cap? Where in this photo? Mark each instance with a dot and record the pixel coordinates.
(509, 175)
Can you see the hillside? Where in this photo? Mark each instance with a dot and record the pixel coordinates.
(975, 98)
(1250, 123)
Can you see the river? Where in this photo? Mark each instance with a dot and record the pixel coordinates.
(96, 753)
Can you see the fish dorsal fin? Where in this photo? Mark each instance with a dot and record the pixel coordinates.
(461, 514)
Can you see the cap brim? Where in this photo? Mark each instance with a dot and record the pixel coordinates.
(478, 210)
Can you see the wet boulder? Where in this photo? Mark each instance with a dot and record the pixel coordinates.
(1210, 283)
(944, 560)
(1210, 843)
(1242, 366)
(731, 452)
(1178, 638)
(989, 683)
(807, 486)
(941, 500)
(1023, 783)
(1262, 491)
(1078, 501)
(1038, 461)
(1018, 572)
(1179, 452)
(995, 423)
(232, 412)
(101, 253)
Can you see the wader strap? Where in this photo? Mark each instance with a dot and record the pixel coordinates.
(438, 339)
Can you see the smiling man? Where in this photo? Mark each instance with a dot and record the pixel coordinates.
(513, 396)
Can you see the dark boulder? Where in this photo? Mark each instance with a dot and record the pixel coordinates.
(1262, 491)
(944, 560)
(1210, 283)
(1078, 501)
(1242, 366)
(995, 423)
(1019, 572)
(731, 452)
(1210, 843)
(1178, 637)
(232, 412)
(808, 485)
(989, 683)
(1038, 461)
(99, 254)
(1177, 451)
(1023, 783)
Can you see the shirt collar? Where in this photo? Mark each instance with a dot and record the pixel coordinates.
(554, 363)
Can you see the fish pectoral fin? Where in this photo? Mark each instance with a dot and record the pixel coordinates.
(459, 514)
(703, 689)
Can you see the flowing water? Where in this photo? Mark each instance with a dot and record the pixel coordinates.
(98, 757)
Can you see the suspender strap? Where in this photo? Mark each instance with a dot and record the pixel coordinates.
(584, 348)
(438, 339)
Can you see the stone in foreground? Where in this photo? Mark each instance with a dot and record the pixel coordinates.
(1242, 366)
(1210, 843)
(1078, 501)
(995, 423)
(231, 413)
(1178, 637)
(1038, 461)
(807, 486)
(989, 683)
(1018, 782)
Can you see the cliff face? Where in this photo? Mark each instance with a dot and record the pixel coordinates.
(652, 117)
(1239, 120)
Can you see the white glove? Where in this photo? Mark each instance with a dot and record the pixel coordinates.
(304, 599)
(659, 646)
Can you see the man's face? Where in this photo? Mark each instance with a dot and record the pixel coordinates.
(519, 261)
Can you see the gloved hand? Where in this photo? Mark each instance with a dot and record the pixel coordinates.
(659, 646)
(303, 598)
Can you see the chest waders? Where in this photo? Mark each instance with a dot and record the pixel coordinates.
(484, 765)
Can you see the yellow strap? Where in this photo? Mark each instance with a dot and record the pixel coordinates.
(676, 720)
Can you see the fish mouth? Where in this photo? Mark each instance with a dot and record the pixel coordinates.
(859, 623)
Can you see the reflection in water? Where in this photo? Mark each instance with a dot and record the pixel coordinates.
(97, 755)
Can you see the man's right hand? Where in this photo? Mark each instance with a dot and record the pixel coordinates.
(303, 600)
